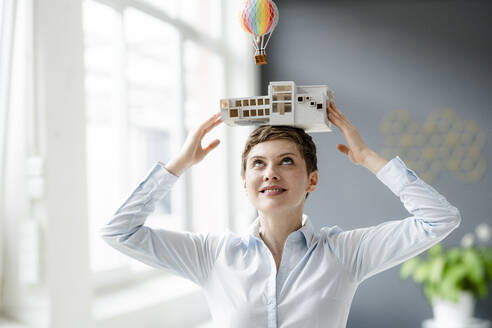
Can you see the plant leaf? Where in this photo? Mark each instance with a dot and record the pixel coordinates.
(449, 288)
(483, 291)
(409, 267)
(454, 255)
(435, 250)
(474, 265)
(422, 272)
(436, 269)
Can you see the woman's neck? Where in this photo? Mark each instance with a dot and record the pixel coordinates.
(275, 228)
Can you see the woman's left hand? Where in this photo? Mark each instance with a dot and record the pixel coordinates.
(357, 150)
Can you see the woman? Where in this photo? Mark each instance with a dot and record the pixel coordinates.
(281, 272)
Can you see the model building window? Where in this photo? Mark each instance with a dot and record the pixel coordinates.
(253, 112)
(281, 88)
(281, 107)
(288, 108)
(267, 101)
(260, 112)
(233, 113)
(245, 102)
(252, 102)
(260, 101)
(282, 97)
(267, 111)
(238, 103)
(245, 113)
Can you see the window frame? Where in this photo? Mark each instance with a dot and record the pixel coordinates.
(182, 198)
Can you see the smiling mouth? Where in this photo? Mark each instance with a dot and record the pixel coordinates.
(273, 191)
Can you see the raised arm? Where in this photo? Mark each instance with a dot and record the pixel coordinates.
(189, 255)
(368, 251)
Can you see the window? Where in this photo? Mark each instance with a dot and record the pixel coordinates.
(152, 73)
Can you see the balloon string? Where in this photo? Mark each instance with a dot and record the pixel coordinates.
(262, 42)
(254, 44)
(269, 35)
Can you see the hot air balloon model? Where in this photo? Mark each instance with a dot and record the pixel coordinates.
(259, 18)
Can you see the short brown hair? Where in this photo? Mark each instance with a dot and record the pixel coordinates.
(304, 143)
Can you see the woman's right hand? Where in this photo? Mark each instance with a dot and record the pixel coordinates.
(192, 152)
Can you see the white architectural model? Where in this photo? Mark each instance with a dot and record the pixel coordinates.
(286, 104)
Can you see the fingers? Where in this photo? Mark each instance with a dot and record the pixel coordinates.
(343, 149)
(332, 106)
(332, 115)
(335, 110)
(211, 146)
(213, 125)
(209, 124)
(211, 120)
(336, 116)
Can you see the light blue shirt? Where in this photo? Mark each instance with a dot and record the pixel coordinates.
(319, 270)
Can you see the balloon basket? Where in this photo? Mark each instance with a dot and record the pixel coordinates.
(260, 59)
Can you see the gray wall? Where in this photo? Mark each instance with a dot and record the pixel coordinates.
(380, 56)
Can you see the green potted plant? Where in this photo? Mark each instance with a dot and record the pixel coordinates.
(453, 278)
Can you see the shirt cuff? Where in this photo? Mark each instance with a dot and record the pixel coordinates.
(161, 175)
(396, 175)
(164, 167)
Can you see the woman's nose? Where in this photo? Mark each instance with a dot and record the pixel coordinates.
(270, 173)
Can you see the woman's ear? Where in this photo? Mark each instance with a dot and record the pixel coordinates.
(313, 181)
(244, 184)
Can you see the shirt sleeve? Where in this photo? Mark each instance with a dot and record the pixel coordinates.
(368, 251)
(186, 254)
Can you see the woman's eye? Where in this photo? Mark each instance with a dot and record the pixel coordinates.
(287, 159)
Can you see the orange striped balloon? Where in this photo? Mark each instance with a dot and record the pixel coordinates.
(258, 17)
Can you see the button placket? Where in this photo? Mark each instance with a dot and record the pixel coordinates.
(271, 297)
(284, 263)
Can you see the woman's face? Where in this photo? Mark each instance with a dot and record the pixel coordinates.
(277, 162)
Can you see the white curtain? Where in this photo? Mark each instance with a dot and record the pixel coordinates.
(7, 31)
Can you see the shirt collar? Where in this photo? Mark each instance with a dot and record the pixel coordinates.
(306, 229)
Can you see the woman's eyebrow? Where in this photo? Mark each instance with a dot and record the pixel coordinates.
(258, 156)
